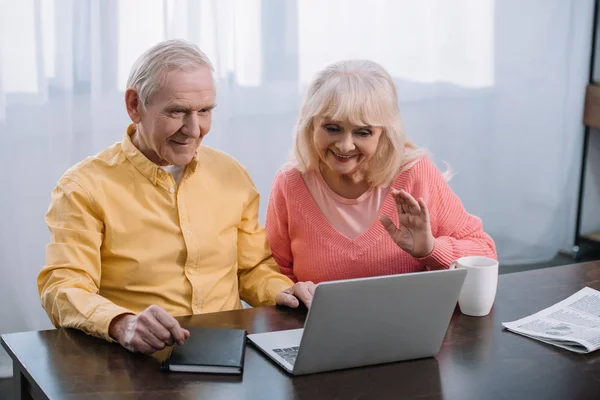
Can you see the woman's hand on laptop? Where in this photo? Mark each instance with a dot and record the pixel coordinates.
(303, 291)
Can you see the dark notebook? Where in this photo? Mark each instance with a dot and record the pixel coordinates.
(209, 350)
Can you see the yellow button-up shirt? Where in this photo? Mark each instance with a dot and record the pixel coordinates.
(124, 236)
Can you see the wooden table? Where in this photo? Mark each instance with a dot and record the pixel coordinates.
(478, 360)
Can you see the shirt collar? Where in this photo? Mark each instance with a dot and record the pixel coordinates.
(139, 160)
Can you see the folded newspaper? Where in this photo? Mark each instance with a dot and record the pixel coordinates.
(573, 324)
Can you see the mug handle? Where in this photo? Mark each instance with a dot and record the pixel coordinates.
(453, 264)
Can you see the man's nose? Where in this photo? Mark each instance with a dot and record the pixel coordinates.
(191, 126)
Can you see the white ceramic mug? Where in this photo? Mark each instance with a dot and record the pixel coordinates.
(479, 290)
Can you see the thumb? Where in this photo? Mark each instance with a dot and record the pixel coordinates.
(388, 224)
(286, 299)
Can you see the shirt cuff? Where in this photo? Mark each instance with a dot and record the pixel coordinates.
(278, 285)
(441, 257)
(104, 317)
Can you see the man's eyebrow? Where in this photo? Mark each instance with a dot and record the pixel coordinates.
(182, 108)
(177, 107)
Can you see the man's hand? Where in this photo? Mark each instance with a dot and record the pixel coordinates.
(147, 332)
(301, 290)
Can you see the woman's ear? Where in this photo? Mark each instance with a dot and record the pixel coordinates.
(133, 105)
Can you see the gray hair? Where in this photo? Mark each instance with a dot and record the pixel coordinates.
(149, 70)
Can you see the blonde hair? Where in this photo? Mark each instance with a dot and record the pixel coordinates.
(362, 93)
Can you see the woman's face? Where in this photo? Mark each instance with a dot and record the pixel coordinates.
(344, 148)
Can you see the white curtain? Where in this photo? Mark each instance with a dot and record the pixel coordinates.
(495, 88)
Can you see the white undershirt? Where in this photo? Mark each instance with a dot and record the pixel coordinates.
(175, 170)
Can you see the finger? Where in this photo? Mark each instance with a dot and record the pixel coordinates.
(424, 209)
(388, 224)
(152, 345)
(286, 299)
(411, 203)
(156, 328)
(169, 322)
(142, 330)
(301, 291)
(152, 341)
(186, 333)
(139, 345)
(403, 200)
(289, 290)
(400, 202)
(311, 287)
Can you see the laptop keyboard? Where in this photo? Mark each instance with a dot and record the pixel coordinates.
(288, 353)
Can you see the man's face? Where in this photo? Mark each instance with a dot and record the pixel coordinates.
(171, 127)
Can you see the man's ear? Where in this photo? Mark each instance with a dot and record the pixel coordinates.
(133, 105)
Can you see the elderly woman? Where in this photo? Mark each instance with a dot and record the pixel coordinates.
(358, 198)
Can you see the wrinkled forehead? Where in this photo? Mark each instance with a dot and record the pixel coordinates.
(190, 83)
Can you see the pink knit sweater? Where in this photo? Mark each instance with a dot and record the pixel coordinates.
(308, 248)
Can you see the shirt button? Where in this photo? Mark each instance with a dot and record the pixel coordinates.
(187, 231)
(172, 190)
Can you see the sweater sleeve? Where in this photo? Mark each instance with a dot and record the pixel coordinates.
(278, 229)
(457, 233)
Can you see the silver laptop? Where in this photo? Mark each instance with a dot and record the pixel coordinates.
(366, 321)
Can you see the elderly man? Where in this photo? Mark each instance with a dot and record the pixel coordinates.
(157, 225)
